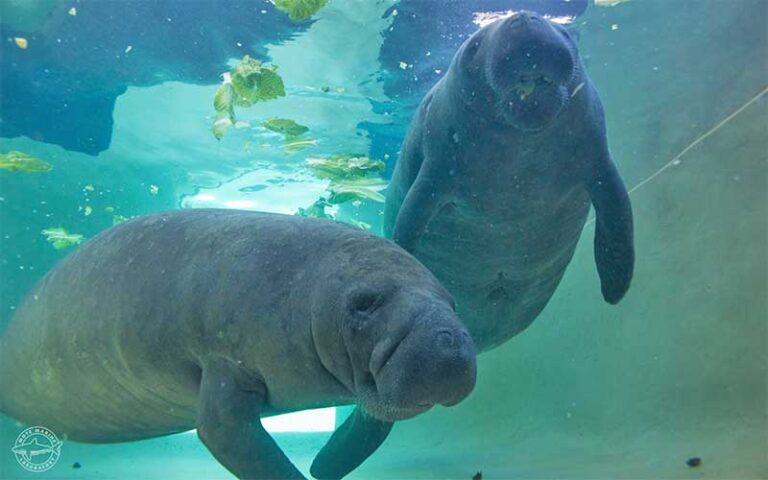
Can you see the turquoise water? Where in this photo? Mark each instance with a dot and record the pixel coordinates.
(122, 110)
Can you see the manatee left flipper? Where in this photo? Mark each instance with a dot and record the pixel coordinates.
(614, 242)
(353, 442)
(229, 424)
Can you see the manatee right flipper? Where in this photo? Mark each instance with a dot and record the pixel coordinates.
(229, 424)
(353, 442)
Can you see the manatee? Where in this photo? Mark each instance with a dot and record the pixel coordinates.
(497, 173)
(211, 319)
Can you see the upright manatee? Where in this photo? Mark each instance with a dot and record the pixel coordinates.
(211, 319)
(497, 173)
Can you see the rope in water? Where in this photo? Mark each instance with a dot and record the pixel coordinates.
(717, 127)
(712, 130)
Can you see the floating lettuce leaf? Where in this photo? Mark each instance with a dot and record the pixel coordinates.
(344, 166)
(285, 126)
(16, 161)
(220, 126)
(299, 10)
(61, 239)
(296, 144)
(361, 189)
(253, 82)
(118, 219)
(224, 101)
(359, 224)
(316, 210)
(248, 83)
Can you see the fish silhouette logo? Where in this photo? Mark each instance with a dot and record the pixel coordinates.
(37, 449)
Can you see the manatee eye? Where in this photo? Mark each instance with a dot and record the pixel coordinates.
(365, 302)
(472, 47)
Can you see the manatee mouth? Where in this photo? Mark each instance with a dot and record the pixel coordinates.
(390, 413)
(383, 352)
(528, 83)
(533, 101)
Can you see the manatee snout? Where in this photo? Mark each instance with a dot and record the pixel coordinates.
(434, 363)
(531, 46)
(530, 61)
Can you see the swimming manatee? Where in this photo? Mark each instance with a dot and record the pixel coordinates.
(211, 319)
(497, 173)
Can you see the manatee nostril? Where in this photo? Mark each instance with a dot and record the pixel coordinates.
(445, 338)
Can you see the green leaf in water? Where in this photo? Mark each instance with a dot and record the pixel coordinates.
(248, 83)
(316, 210)
(361, 189)
(16, 161)
(359, 224)
(61, 239)
(344, 166)
(296, 144)
(224, 101)
(299, 10)
(253, 82)
(285, 126)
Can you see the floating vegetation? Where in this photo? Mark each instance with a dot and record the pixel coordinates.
(248, 83)
(361, 189)
(16, 161)
(61, 239)
(359, 224)
(252, 188)
(21, 42)
(299, 144)
(285, 126)
(293, 133)
(353, 177)
(344, 166)
(118, 219)
(316, 210)
(299, 10)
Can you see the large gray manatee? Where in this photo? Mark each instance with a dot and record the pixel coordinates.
(497, 173)
(211, 319)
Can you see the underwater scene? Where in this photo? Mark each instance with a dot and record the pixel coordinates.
(384, 239)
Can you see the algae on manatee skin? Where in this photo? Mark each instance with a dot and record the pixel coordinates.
(61, 239)
(299, 10)
(16, 161)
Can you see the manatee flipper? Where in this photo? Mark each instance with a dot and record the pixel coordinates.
(353, 442)
(229, 424)
(614, 243)
(420, 204)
